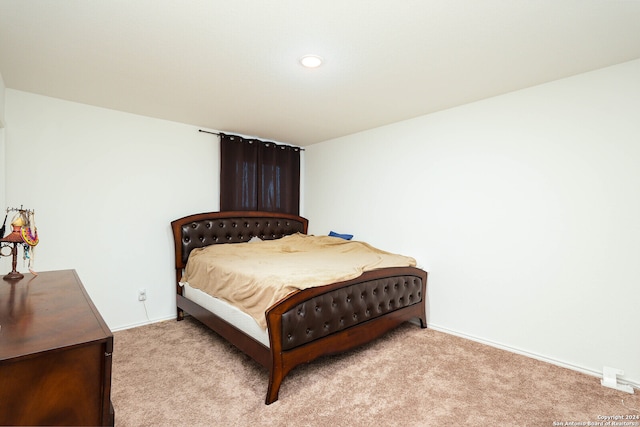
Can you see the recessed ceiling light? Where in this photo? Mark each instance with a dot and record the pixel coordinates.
(311, 61)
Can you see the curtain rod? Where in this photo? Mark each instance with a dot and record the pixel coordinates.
(218, 133)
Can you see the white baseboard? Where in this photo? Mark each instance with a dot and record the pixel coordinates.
(546, 359)
(146, 322)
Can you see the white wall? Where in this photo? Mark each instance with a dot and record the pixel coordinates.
(3, 264)
(524, 209)
(105, 186)
(2, 91)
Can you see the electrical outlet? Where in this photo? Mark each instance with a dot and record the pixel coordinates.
(142, 295)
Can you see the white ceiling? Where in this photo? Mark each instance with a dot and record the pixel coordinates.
(231, 65)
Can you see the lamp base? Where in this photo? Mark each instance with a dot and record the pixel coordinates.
(14, 275)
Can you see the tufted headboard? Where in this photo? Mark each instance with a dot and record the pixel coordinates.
(199, 230)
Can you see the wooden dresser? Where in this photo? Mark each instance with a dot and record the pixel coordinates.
(55, 353)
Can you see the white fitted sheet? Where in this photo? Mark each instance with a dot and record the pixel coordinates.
(227, 312)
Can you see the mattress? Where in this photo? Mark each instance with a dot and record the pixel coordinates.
(227, 312)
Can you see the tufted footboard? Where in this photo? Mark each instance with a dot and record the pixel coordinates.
(343, 308)
(338, 317)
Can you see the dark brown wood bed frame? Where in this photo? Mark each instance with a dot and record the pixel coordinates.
(306, 324)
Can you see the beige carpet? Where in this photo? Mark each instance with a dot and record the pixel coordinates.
(181, 374)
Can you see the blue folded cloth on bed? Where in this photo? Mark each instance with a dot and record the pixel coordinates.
(341, 235)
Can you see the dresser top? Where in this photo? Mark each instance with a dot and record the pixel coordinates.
(45, 312)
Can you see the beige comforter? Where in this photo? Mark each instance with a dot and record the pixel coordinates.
(253, 276)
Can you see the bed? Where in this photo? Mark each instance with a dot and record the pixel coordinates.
(305, 324)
